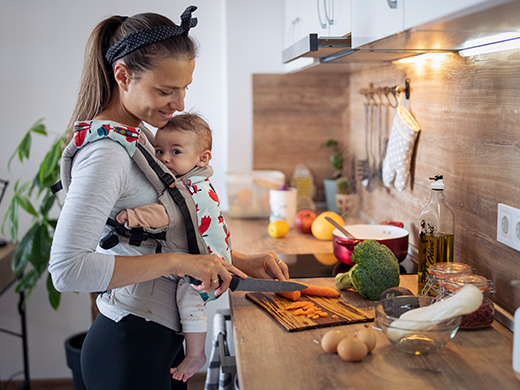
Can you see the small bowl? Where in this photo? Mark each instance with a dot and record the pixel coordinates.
(413, 337)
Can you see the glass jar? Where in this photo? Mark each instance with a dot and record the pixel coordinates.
(438, 272)
(483, 316)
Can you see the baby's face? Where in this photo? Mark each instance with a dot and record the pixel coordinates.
(177, 150)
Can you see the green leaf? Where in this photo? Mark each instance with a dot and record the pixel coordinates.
(25, 203)
(41, 249)
(50, 167)
(28, 282)
(38, 127)
(22, 149)
(47, 203)
(11, 218)
(23, 251)
(54, 295)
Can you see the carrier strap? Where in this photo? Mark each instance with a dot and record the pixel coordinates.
(169, 180)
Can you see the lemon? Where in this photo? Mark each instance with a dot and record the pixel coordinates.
(322, 229)
(278, 228)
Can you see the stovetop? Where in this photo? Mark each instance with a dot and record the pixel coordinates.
(326, 265)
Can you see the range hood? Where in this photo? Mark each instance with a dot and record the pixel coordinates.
(448, 34)
(317, 47)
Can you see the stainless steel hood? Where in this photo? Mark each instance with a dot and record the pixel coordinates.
(317, 47)
(448, 34)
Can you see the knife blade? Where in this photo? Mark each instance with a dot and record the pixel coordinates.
(251, 284)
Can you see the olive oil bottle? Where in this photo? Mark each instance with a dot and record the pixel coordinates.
(436, 232)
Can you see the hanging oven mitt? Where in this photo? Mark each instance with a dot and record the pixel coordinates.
(398, 158)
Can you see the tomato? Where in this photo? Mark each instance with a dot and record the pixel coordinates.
(303, 221)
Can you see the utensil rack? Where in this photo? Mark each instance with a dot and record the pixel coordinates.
(394, 91)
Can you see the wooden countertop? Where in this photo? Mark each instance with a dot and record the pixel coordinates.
(250, 236)
(268, 357)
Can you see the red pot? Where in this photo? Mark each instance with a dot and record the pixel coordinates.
(394, 237)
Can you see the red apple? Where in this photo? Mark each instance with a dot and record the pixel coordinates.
(303, 221)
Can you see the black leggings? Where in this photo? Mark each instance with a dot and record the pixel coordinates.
(130, 354)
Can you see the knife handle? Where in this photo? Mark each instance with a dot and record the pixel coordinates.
(232, 285)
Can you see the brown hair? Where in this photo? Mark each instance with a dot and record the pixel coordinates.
(191, 122)
(97, 79)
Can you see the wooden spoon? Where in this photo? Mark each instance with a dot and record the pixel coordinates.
(340, 228)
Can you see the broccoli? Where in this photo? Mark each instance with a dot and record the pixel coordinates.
(376, 269)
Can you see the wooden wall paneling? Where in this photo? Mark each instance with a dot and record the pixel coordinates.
(293, 116)
(470, 120)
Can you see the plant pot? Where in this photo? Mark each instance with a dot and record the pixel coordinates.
(330, 188)
(73, 353)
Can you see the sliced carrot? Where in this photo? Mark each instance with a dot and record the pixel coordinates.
(323, 314)
(292, 295)
(320, 291)
(295, 305)
(298, 312)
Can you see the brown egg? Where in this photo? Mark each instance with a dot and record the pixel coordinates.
(352, 349)
(330, 340)
(368, 337)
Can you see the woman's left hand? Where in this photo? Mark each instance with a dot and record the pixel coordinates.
(263, 266)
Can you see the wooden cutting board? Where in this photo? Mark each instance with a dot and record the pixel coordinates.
(275, 306)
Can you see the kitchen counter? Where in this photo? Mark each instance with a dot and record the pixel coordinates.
(250, 236)
(268, 357)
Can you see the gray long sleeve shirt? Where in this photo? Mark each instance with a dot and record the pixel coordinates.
(105, 180)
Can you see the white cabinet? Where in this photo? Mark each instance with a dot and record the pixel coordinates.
(329, 18)
(375, 19)
(326, 18)
(417, 12)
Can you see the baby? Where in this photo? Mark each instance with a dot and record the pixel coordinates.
(184, 147)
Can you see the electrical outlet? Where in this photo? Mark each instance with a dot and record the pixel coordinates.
(508, 226)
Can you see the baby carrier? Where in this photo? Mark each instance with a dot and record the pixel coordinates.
(139, 144)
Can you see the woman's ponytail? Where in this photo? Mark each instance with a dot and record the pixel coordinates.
(97, 80)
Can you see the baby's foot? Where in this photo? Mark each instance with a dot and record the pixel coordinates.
(188, 367)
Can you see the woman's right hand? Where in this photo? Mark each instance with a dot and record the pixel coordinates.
(209, 269)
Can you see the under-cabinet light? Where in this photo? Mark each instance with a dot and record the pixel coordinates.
(491, 44)
(436, 57)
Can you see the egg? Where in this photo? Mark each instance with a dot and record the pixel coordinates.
(352, 349)
(331, 339)
(368, 337)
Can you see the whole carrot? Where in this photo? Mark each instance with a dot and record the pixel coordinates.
(319, 291)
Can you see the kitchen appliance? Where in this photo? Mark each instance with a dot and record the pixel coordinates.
(394, 237)
(325, 265)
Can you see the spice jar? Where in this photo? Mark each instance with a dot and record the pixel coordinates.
(483, 316)
(438, 272)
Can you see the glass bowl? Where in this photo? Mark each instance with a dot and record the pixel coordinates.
(411, 336)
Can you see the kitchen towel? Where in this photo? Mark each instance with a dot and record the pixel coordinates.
(398, 157)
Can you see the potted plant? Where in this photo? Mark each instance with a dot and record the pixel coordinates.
(34, 197)
(31, 257)
(338, 184)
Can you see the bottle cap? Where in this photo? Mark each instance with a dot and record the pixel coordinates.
(437, 184)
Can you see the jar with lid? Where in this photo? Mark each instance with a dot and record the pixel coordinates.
(483, 316)
(438, 273)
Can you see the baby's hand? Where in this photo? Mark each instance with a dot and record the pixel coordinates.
(122, 217)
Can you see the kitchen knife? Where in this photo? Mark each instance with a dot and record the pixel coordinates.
(251, 284)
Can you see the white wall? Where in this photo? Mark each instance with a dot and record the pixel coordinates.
(42, 53)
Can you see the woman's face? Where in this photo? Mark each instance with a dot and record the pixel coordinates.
(157, 94)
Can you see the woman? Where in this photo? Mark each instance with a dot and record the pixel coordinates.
(136, 70)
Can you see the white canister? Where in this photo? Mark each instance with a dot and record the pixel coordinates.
(283, 205)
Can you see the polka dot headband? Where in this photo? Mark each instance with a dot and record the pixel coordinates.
(148, 36)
